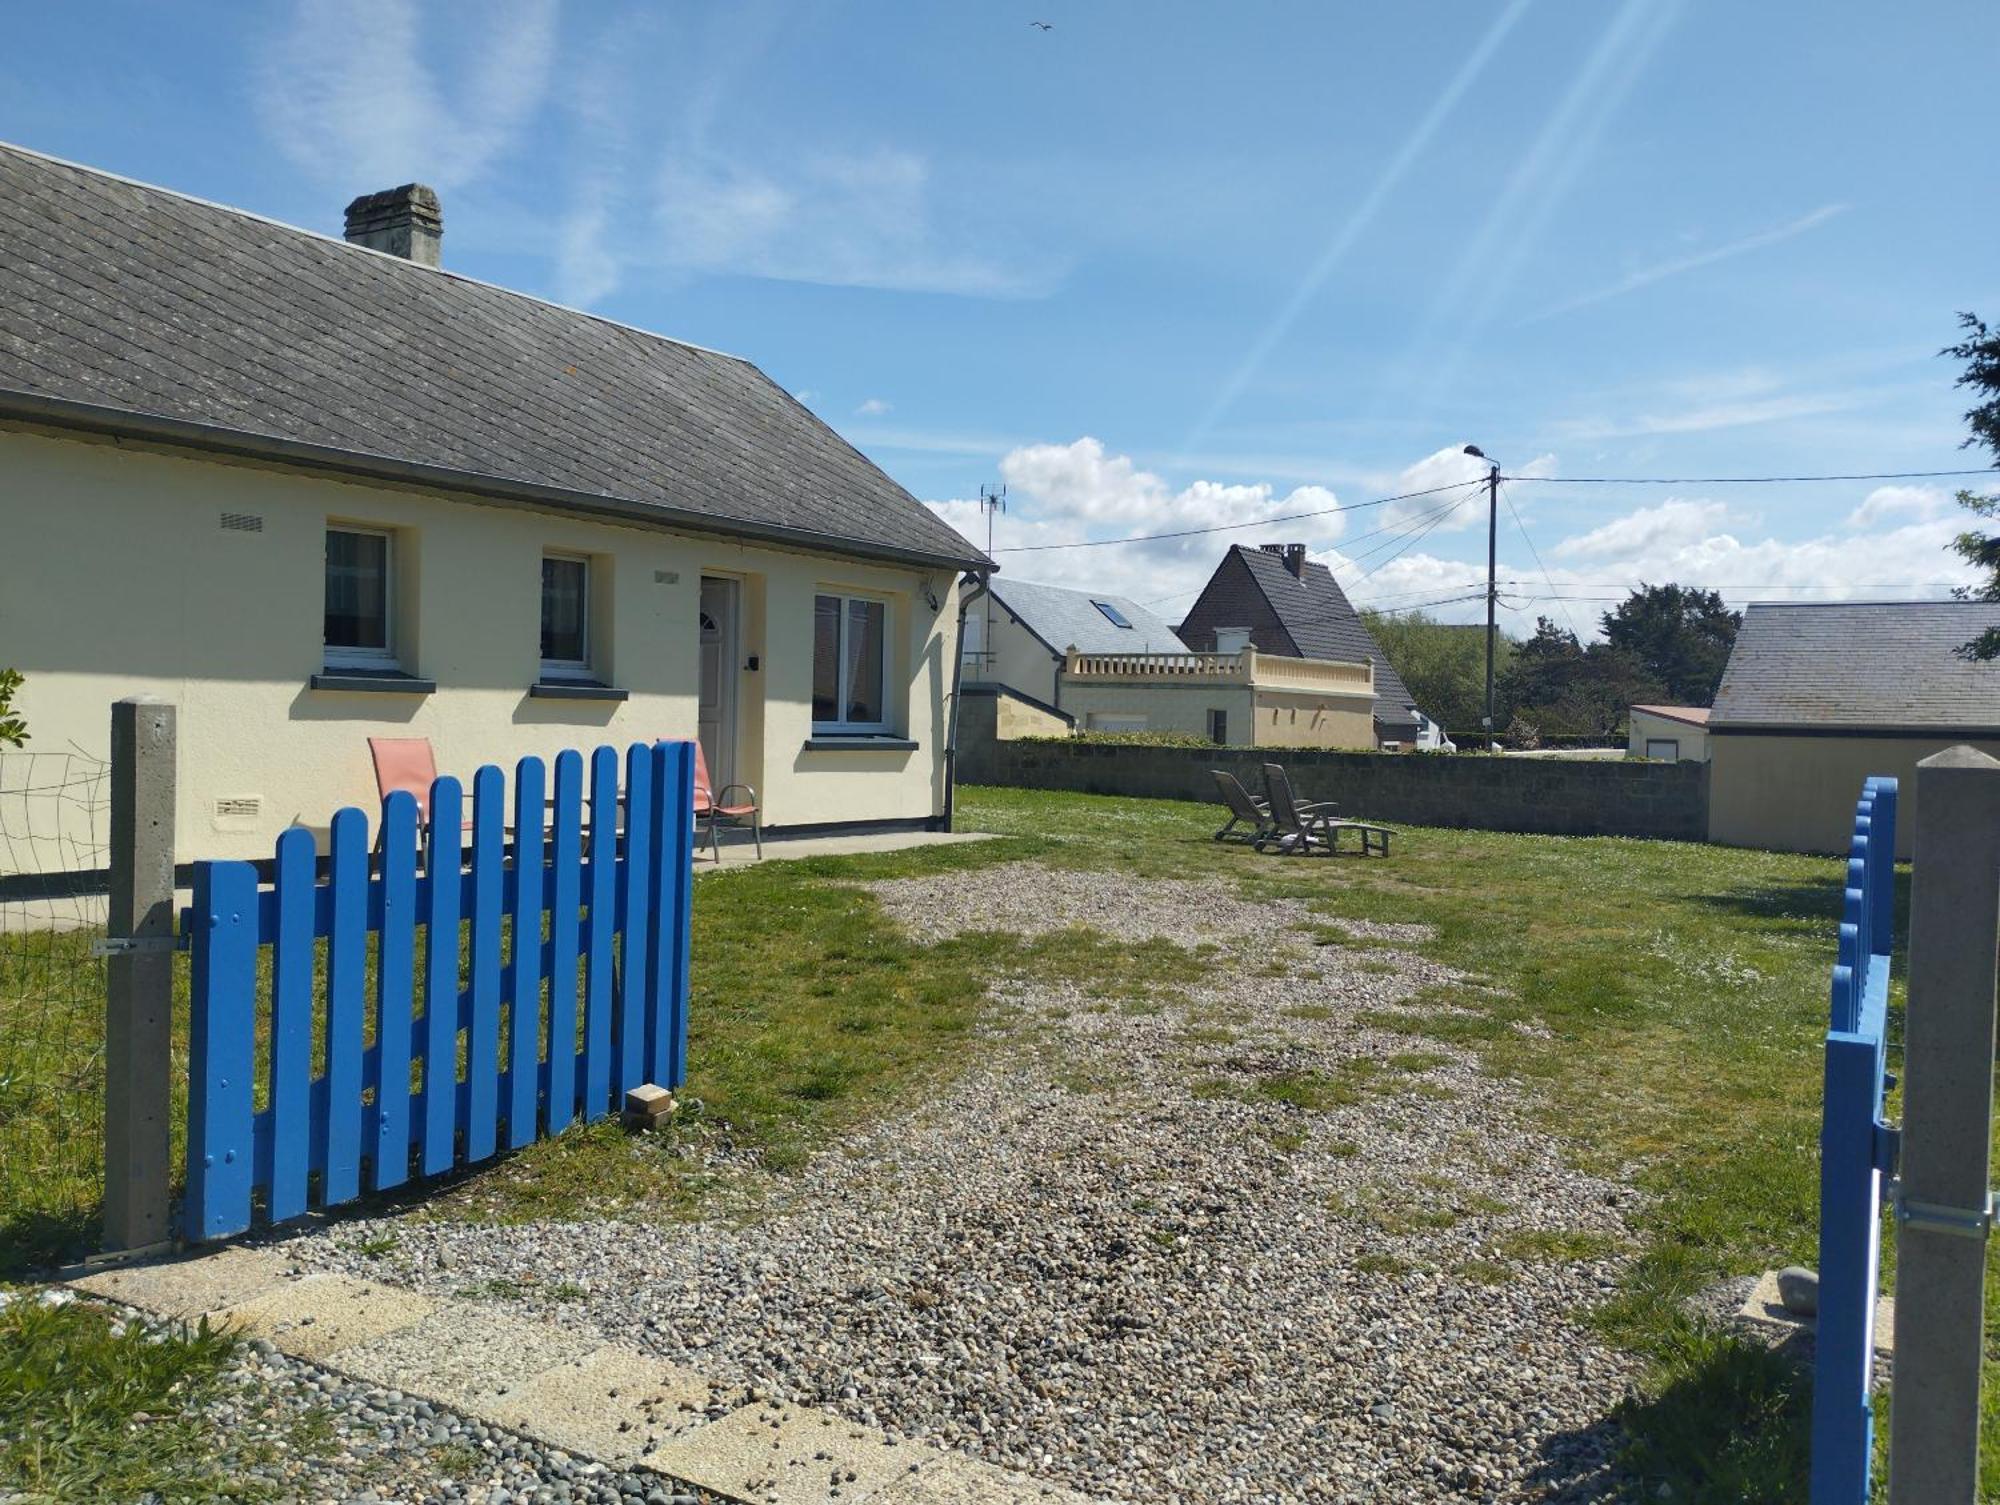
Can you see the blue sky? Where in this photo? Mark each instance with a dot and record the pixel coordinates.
(1171, 265)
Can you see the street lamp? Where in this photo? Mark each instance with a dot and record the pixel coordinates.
(1492, 545)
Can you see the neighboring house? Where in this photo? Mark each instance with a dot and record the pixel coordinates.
(1283, 604)
(312, 491)
(1242, 699)
(1019, 634)
(1671, 733)
(1818, 697)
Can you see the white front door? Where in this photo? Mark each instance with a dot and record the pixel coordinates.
(717, 718)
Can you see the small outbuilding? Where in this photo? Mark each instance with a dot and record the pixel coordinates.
(1818, 697)
(1669, 733)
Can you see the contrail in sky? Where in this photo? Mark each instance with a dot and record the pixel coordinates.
(1357, 222)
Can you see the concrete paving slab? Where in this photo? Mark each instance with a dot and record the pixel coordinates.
(787, 1455)
(320, 1316)
(192, 1287)
(463, 1354)
(1766, 1308)
(738, 851)
(613, 1404)
(953, 1480)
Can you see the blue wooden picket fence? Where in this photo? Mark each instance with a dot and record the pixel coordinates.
(1857, 1153)
(552, 978)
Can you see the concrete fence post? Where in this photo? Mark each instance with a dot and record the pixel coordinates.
(139, 1002)
(1941, 1213)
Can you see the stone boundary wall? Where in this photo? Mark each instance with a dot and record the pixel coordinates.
(1545, 796)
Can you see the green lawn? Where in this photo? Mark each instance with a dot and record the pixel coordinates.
(1682, 989)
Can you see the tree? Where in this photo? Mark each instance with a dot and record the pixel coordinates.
(1980, 350)
(1561, 688)
(1676, 635)
(1442, 663)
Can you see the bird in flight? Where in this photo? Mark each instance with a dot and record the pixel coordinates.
(1044, 25)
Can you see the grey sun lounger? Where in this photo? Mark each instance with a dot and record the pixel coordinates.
(1245, 810)
(1301, 829)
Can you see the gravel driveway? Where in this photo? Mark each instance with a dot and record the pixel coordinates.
(1233, 1246)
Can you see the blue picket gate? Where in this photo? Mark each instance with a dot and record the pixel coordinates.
(1857, 1152)
(553, 978)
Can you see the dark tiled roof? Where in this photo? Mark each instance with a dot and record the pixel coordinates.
(1316, 615)
(1882, 666)
(162, 310)
(1070, 619)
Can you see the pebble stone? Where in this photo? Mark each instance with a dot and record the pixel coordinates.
(1113, 1255)
(291, 1430)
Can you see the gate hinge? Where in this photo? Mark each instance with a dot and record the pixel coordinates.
(1940, 1217)
(1887, 1148)
(137, 945)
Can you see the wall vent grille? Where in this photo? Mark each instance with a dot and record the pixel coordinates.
(242, 522)
(238, 807)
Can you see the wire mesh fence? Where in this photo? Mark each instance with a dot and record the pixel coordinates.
(54, 840)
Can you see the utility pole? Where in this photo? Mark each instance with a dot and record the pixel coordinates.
(992, 499)
(1492, 568)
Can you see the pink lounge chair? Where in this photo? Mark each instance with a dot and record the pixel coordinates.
(406, 764)
(714, 808)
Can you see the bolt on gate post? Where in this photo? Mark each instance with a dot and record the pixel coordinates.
(139, 977)
(1942, 1211)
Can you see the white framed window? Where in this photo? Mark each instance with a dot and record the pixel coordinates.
(1667, 749)
(360, 619)
(565, 616)
(850, 684)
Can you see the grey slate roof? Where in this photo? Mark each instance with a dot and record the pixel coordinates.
(130, 307)
(1880, 666)
(1066, 618)
(1319, 619)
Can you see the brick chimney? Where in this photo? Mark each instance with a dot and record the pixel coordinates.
(1294, 555)
(404, 221)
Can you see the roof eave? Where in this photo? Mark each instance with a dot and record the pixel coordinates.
(64, 412)
(1846, 729)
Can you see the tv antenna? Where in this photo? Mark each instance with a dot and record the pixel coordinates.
(992, 499)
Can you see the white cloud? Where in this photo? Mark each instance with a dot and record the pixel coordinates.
(347, 93)
(1918, 503)
(586, 267)
(874, 407)
(1066, 493)
(844, 219)
(1444, 511)
(1894, 544)
(1647, 531)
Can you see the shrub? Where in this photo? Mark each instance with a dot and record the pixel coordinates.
(13, 729)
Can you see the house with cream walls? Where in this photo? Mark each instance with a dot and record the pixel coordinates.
(1819, 696)
(1274, 599)
(314, 490)
(1019, 634)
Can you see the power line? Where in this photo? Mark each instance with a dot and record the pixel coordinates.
(1635, 583)
(1391, 611)
(1514, 513)
(1262, 522)
(1417, 535)
(1882, 475)
(1397, 533)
